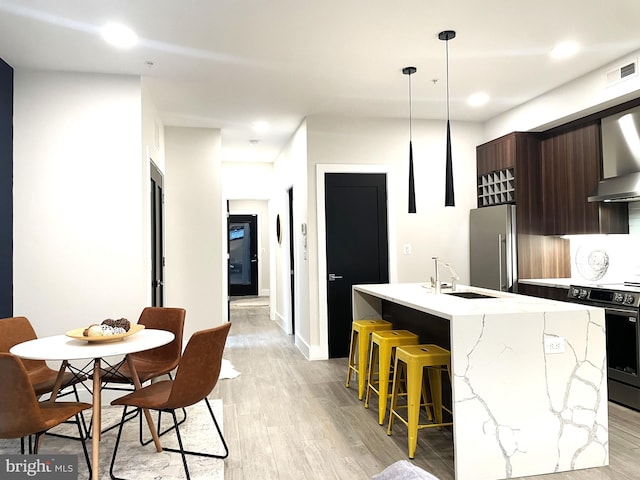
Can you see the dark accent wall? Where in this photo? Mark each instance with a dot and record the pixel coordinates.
(6, 190)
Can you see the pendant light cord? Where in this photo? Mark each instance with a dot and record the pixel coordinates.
(447, 60)
(410, 112)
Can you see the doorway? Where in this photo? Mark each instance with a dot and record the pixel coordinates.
(291, 262)
(357, 247)
(157, 237)
(243, 255)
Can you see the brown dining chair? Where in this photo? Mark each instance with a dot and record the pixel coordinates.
(157, 361)
(152, 363)
(21, 415)
(15, 330)
(195, 378)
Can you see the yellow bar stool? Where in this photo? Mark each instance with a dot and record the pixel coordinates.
(360, 334)
(410, 363)
(382, 351)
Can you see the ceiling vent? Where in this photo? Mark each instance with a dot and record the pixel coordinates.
(624, 72)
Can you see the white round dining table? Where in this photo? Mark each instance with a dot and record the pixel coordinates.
(64, 348)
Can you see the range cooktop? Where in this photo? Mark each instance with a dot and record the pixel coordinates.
(624, 294)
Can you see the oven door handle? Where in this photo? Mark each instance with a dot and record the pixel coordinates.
(621, 311)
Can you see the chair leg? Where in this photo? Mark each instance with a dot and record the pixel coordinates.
(201, 454)
(83, 441)
(144, 442)
(36, 443)
(115, 447)
(182, 452)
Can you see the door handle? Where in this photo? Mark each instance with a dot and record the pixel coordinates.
(333, 277)
(500, 262)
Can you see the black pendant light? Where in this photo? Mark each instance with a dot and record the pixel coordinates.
(449, 197)
(412, 188)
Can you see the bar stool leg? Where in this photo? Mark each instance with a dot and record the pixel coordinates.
(373, 358)
(352, 354)
(414, 390)
(435, 385)
(383, 382)
(363, 347)
(395, 388)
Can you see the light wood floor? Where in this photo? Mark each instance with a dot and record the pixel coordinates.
(289, 418)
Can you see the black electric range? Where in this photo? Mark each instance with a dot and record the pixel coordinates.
(621, 302)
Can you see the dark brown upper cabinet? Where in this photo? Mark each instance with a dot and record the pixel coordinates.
(498, 154)
(517, 155)
(571, 165)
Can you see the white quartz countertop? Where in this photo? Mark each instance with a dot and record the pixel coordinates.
(421, 297)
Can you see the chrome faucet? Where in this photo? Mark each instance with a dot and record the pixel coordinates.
(436, 282)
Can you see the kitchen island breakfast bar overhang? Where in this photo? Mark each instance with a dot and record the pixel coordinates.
(529, 391)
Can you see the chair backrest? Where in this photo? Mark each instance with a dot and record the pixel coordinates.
(19, 412)
(163, 318)
(199, 367)
(15, 330)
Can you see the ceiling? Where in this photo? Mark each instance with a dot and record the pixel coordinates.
(230, 63)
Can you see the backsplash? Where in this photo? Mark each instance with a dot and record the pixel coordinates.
(590, 254)
(634, 218)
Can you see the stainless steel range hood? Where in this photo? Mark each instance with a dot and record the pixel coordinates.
(624, 188)
(620, 158)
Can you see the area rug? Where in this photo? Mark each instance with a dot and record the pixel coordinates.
(144, 463)
(227, 370)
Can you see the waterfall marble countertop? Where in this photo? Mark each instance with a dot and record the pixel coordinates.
(529, 378)
(446, 305)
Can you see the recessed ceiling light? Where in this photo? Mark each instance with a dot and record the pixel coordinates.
(119, 35)
(260, 127)
(564, 50)
(478, 99)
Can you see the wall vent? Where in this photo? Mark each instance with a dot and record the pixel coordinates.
(621, 73)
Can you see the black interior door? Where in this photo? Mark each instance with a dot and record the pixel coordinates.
(292, 263)
(243, 255)
(157, 238)
(6, 190)
(357, 246)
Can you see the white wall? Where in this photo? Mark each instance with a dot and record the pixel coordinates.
(290, 171)
(576, 99)
(434, 231)
(247, 180)
(79, 234)
(195, 227)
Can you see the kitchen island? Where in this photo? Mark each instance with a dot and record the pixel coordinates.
(529, 393)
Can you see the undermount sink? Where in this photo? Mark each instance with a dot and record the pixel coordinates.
(472, 295)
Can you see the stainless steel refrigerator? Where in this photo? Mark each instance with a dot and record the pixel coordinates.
(493, 260)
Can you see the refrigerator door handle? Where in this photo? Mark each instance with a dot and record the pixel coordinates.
(500, 284)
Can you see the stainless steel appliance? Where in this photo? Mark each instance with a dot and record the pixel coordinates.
(492, 251)
(621, 303)
(620, 162)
